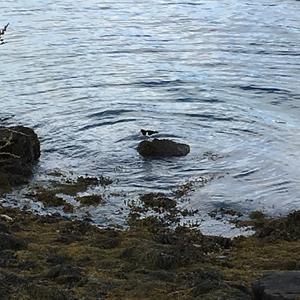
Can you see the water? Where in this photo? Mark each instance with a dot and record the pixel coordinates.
(222, 76)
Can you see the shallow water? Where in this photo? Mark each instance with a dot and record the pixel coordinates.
(222, 76)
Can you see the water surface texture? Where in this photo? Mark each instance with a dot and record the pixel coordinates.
(222, 76)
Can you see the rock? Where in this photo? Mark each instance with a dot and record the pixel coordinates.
(9, 242)
(279, 285)
(162, 148)
(19, 150)
(3, 228)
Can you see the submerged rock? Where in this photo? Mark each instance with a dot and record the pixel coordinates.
(162, 148)
(19, 150)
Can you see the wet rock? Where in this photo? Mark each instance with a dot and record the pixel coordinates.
(279, 285)
(49, 198)
(158, 200)
(90, 200)
(23, 142)
(19, 150)
(162, 148)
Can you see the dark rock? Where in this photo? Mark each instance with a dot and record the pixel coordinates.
(3, 228)
(162, 148)
(20, 141)
(279, 285)
(8, 241)
(19, 149)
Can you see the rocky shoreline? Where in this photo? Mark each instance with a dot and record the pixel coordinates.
(54, 257)
(50, 257)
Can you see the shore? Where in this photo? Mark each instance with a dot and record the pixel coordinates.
(50, 257)
(55, 257)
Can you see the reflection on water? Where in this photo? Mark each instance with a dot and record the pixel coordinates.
(218, 75)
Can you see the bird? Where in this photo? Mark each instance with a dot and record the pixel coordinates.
(148, 132)
(2, 31)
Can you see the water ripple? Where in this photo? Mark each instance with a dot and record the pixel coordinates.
(220, 76)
